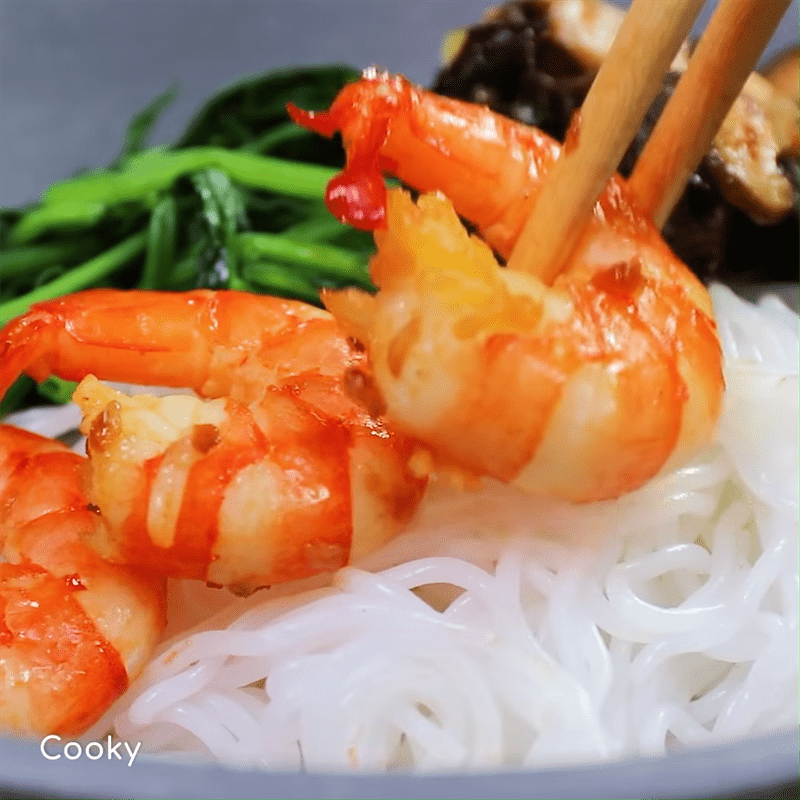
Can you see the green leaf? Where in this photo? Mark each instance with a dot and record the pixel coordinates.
(224, 214)
(275, 137)
(161, 240)
(223, 203)
(9, 217)
(141, 125)
(57, 390)
(258, 103)
(18, 395)
(278, 279)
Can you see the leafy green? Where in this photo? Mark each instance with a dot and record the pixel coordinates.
(161, 242)
(235, 202)
(238, 115)
(142, 124)
(57, 390)
(88, 274)
(224, 214)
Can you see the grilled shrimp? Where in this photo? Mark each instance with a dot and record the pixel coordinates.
(276, 475)
(582, 390)
(74, 630)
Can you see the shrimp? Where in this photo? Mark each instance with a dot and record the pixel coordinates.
(74, 630)
(276, 474)
(583, 389)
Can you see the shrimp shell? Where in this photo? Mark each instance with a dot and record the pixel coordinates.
(74, 630)
(581, 390)
(278, 475)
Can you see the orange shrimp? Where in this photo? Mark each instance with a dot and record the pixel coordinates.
(581, 390)
(280, 475)
(74, 630)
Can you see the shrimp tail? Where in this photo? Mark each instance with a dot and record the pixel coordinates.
(22, 350)
(357, 195)
(488, 165)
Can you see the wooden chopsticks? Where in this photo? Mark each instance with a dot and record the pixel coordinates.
(726, 54)
(628, 81)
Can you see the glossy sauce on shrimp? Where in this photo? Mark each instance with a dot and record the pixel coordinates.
(74, 630)
(581, 390)
(275, 475)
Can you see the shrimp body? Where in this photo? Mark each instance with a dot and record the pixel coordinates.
(490, 167)
(74, 630)
(581, 390)
(276, 475)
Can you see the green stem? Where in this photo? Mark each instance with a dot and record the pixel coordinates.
(78, 278)
(70, 214)
(57, 390)
(272, 138)
(318, 259)
(280, 280)
(156, 170)
(160, 242)
(316, 229)
(82, 201)
(26, 259)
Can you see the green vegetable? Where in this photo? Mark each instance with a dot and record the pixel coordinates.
(89, 274)
(161, 233)
(235, 202)
(142, 124)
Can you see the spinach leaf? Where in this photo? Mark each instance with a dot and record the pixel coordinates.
(239, 114)
(235, 202)
(141, 126)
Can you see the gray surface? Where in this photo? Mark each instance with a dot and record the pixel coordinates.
(72, 72)
(738, 769)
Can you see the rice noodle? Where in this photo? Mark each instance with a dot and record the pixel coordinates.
(504, 631)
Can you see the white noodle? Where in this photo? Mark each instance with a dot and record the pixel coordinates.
(503, 631)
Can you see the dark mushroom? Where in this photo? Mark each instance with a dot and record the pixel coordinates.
(534, 60)
(513, 62)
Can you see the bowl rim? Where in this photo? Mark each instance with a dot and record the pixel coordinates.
(741, 765)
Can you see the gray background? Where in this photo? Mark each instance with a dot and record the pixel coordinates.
(73, 72)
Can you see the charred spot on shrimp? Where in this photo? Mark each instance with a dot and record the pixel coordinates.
(356, 344)
(105, 428)
(360, 387)
(623, 280)
(204, 437)
(401, 345)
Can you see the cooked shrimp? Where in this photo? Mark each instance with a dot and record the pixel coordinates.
(581, 390)
(74, 630)
(280, 475)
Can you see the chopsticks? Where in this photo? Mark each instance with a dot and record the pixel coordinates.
(727, 52)
(628, 81)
